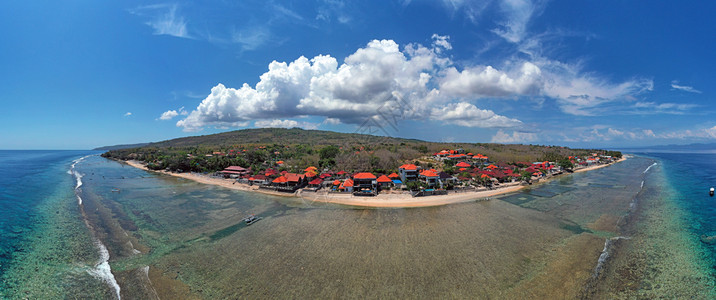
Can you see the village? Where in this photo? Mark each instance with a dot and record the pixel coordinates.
(443, 172)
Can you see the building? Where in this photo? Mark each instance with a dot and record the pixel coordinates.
(430, 177)
(384, 182)
(235, 171)
(365, 184)
(295, 180)
(408, 173)
(346, 186)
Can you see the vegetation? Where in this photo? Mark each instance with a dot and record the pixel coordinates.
(262, 148)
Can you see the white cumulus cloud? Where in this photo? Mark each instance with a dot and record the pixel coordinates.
(332, 121)
(424, 80)
(515, 138)
(276, 123)
(168, 115)
(347, 93)
(441, 41)
(490, 82)
(468, 115)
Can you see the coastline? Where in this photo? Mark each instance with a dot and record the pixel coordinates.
(379, 201)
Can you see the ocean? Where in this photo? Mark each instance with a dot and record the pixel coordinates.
(76, 225)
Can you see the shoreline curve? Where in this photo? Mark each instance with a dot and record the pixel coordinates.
(390, 200)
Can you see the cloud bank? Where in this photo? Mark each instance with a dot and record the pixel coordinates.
(427, 82)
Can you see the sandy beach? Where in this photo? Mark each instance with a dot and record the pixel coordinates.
(598, 166)
(382, 200)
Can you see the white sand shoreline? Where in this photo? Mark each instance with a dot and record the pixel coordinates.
(382, 200)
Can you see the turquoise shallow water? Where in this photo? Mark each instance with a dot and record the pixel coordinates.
(690, 176)
(45, 247)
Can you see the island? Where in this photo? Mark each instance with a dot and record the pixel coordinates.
(357, 169)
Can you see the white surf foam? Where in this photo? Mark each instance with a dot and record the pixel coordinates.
(647, 169)
(101, 269)
(608, 243)
(72, 171)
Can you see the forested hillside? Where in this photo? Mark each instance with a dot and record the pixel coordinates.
(297, 149)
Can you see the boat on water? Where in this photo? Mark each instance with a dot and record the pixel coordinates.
(251, 219)
(711, 192)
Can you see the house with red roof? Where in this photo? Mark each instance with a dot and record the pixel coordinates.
(295, 180)
(384, 181)
(280, 181)
(365, 184)
(479, 156)
(315, 184)
(408, 172)
(346, 186)
(430, 177)
(258, 179)
(235, 171)
(456, 157)
(463, 164)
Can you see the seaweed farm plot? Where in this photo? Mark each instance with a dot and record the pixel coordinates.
(518, 199)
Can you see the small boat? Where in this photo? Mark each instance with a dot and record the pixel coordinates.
(116, 190)
(251, 219)
(711, 192)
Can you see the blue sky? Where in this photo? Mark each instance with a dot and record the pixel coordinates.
(83, 74)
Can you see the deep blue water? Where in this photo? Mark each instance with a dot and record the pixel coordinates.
(29, 178)
(691, 176)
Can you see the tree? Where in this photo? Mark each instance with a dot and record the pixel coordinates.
(415, 185)
(616, 154)
(565, 164)
(256, 157)
(526, 176)
(423, 149)
(552, 156)
(329, 152)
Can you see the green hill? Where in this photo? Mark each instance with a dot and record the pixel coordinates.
(298, 148)
(267, 136)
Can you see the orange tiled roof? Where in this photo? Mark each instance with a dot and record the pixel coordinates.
(364, 175)
(411, 167)
(384, 178)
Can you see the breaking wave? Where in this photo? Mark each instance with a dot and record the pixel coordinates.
(608, 244)
(649, 167)
(101, 269)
